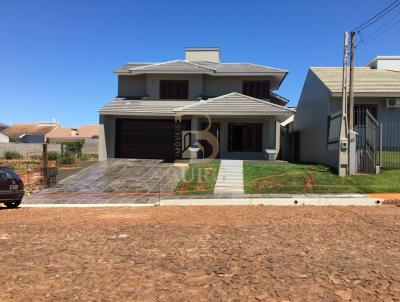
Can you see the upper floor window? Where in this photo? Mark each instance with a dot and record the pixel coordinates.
(256, 89)
(177, 89)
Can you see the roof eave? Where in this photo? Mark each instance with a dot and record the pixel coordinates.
(237, 113)
(127, 113)
(390, 94)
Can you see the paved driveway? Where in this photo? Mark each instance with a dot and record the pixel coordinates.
(115, 181)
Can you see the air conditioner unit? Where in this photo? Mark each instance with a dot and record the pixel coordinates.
(393, 103)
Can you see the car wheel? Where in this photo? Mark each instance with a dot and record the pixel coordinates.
(13, 204)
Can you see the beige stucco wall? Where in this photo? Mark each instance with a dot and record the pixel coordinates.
(131, 86)
(311, 120)
(109, 133)
(199, 85)
(202, 55)
(220, 85)
(389, 117)
(384, 114)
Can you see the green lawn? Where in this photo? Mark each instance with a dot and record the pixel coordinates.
(199, 179)
(299, 178)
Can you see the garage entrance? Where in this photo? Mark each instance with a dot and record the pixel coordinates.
(153, 139)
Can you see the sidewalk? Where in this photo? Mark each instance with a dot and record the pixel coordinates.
(195, 200)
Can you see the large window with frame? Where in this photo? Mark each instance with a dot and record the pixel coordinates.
(245, 137)
(174, 89)
(256, 89)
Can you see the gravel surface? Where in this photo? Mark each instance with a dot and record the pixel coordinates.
(200, 254)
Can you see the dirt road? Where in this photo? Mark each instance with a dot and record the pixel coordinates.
(200, 254)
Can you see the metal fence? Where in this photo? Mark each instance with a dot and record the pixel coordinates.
(389, 151)
(368, 141)
(378, 143)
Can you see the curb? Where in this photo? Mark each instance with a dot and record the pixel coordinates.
(306, 201)
(86, 205)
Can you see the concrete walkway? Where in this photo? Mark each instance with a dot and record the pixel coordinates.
(230, 177)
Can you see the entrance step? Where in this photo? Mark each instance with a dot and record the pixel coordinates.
(230, 177)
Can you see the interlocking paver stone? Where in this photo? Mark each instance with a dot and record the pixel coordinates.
(114, 181)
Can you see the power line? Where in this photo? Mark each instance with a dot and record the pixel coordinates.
(376, 34)
(386, 27)
(377, 17)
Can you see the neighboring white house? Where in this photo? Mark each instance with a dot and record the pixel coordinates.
(158, 104)
(376, 88)
(4, 138)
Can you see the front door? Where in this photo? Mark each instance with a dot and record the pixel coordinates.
(215, 130)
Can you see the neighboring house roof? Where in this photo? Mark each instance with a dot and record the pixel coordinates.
(59, 133)
(121, 106)
(18, 130)
(236, 104)
(367, 81)
(3, 126)
(180, 66)
(87, 131)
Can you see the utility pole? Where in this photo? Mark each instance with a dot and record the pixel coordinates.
(343, 135)
(350, 110)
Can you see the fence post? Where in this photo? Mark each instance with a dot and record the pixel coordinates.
(45, 164)
(380, 145)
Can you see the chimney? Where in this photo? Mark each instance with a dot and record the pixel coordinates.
(211, 54)
(74, 132)
(385, 62)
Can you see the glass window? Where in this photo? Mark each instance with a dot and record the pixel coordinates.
(174, 89)
(256, 89)
(245, 137)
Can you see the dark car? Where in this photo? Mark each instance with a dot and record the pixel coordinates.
(11, 188)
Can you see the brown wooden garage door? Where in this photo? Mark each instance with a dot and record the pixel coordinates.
(144, 139)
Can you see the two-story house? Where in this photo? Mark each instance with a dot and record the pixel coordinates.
(159, 104)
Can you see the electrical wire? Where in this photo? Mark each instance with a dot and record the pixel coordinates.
(386, 27)
(377, 17)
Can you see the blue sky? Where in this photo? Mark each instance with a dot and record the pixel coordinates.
(57, 57)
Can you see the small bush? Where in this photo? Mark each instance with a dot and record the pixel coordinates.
(66, 158)
(12, 155)
(74, 147)
(53, 155)
(36, 157)
(85, 156)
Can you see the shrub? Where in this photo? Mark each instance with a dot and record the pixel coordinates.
(75, 147)
(36, 157)
(85, 156)
(12, 155)
(66, 158)
(53, 155)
